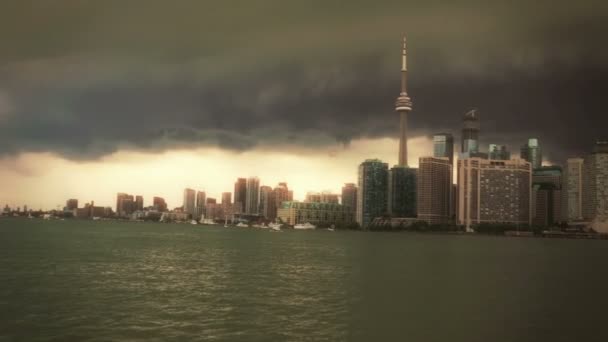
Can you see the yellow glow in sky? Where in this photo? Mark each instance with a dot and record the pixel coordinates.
(43, 180)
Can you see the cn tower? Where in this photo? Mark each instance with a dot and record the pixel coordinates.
(403, 106)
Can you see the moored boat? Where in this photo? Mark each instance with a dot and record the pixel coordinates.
(306, 225)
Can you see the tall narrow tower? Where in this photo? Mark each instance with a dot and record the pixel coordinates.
(403, 106)
(470, 133)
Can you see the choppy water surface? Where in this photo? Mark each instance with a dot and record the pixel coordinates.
(98, 281)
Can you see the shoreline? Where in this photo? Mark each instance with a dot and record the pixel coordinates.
(506, 234)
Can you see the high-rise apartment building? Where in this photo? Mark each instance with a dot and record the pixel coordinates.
(443, 146)
(159, 204)
(252, 195)
(282, 194)
(434, 190)
(547, 196)
(139, 203)
(572, 195)
(268, 207)
(372, 196)
(494, 191)
(349, 195)
(71, 204)
(595, 185)
(125, 204)
(189, 202)
(201, 198)
(264, 190)
(226, 198)
(240, 193)
(532, 153)
(401, 196)
(498, 152)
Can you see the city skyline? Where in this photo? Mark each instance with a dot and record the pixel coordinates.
(303, 170)
(306, 111)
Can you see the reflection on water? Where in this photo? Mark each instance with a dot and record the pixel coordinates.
(78, 280)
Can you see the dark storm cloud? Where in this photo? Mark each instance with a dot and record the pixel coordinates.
(85, 79)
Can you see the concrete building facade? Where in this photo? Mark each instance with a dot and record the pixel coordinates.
(595, 185)
(320, 214)
(252, 195)
(491, 191)
(434, 190)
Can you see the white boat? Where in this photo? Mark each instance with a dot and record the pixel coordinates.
(263, 226)
(242, 225)
(275, 226)
(306, 225)
(193, 222)
(207, 221)
(331, 229)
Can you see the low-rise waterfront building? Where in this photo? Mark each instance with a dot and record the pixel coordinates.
(320, 214)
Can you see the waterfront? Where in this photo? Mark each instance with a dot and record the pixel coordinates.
(88, 280)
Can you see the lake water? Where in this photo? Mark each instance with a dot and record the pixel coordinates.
(99, 281)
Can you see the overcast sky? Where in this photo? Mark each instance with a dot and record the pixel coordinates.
(91, 91)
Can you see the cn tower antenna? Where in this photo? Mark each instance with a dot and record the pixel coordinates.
(403, 106)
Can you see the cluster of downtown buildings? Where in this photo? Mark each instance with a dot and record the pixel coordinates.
(490, 188)
(249, 202)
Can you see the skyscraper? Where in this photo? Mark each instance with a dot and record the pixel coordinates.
(189, 202)
(401, 196)
(282, 194)
(268, 207)
(226, 198)
(532, 153)
(372, 194)
(252, 195)
(403, 106)
(201, 198)
(119, 197)
(443, 146)
(71, 204)
(125, 205)
(572, 196)
(498, 152)
(434, 190)
(595, 185)
(349, 195)
(264, 190)
(547, 195)
(139, 203)
(240, 194)
(470, 133)
(494, 191)
(159, 204)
